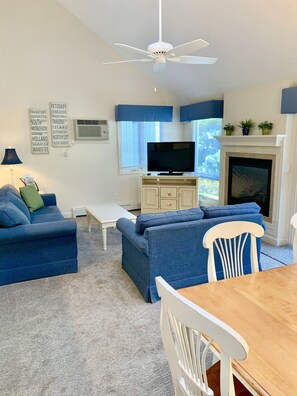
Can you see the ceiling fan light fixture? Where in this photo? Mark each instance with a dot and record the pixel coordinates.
(159, 66)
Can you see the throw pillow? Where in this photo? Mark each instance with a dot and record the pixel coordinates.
(230, 210)
(11, 189)
(17, 201)
(155, 219)
(10, 215)
(31, 197)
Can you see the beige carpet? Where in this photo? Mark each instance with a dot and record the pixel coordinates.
(82, 334)
(89, 333)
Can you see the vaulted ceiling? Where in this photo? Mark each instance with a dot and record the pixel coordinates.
(255, 41)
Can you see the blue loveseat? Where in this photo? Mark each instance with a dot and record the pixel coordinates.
(34, 245)
(170, 245)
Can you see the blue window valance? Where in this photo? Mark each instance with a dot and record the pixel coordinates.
(202, 110)
(143, 113)
(289, 100)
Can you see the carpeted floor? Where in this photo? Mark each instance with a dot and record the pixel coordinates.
(88, 333)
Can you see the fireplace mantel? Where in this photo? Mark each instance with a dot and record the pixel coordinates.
(252, 140)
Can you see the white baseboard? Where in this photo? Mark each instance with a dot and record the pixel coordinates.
(273, 241)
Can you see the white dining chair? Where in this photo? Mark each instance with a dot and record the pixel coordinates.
(293, 223)
(183, 328)
(229, 240)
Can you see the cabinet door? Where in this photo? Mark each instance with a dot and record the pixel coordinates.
(187, 198)
(149, 199)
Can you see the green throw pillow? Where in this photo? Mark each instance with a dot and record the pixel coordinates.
(31, 197)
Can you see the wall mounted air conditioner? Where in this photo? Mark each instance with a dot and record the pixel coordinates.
(91, 130)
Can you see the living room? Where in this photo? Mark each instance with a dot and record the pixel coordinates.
(48, 55)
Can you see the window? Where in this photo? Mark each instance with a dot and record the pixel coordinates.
(207, 155)
(133, 138)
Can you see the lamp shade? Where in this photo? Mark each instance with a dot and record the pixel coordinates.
(10, 157)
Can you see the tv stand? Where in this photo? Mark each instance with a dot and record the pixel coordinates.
(170, 174)
(168, 192)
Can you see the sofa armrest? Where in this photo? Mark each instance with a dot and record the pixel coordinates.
(30, 232)
(127, 228)
(49, 199)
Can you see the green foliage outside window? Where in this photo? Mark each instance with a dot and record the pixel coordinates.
(208, 155)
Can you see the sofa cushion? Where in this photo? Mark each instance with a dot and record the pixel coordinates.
(10, 215)
(8, 195)
(230, 210)
(145, 221)
(31, 197)
(11, 189)
(47, 213)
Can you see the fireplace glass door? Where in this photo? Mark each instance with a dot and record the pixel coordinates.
(249, 180)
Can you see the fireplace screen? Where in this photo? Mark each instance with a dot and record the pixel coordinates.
(249, 180)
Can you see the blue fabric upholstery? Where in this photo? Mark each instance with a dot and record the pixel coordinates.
(173, 251)
(10, 215)
(145, 221)
(44, 247)
(230, 210)
(11, 189)
(8, 195)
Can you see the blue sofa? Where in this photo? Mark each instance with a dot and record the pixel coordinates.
(34, 245)
(170, 245)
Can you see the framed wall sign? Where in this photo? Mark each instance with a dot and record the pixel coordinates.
(39, 131)
(59, 124)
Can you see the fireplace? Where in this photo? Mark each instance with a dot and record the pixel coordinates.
(269, 170)
(249, 179)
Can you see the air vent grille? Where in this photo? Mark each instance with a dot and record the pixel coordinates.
(91, 130)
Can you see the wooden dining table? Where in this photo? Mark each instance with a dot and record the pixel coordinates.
(261, 307)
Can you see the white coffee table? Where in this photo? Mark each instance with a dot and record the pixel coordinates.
(107, 215)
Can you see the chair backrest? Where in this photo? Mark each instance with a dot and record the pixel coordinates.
(293, 223)
(183, 326)
(229, 240)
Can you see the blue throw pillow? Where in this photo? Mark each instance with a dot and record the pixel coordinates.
(8, 195)
(11, 189)
(230, 210)
(155, 219)
(10, 215)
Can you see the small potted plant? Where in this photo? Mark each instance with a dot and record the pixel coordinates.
(229, 129)
(266, 127)
(246, 125)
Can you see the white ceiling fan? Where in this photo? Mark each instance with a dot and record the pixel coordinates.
(160, 51)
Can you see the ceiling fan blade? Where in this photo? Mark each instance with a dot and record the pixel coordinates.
(187, 48)
(193, 60)
(128, 61)
(134, 49)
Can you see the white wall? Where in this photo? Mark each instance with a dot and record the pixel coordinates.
(258, 103)
(264, 103)
(48, 56)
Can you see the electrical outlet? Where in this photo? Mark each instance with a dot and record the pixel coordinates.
(116, 196)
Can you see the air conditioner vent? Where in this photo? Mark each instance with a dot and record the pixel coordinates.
(91, 130)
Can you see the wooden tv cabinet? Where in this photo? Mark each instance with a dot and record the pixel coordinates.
(163, 193)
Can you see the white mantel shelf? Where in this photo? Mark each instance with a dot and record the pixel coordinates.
(251, 140)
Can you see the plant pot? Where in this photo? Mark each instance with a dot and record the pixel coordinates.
(266, 131)
(229, 133)
(245, 131)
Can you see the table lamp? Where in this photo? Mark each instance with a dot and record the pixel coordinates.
(11, 158)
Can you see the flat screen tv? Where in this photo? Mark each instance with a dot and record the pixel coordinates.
(171, 158)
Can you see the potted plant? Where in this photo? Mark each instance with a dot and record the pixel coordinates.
(266, 127)
(246, 125)
(229, 128)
